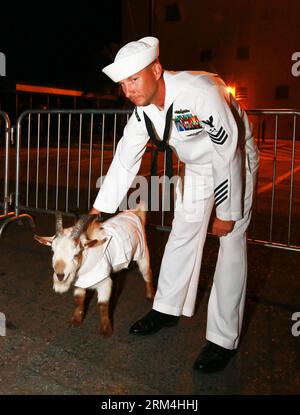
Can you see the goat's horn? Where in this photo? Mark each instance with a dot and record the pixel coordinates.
(59, 223)
(81, 225)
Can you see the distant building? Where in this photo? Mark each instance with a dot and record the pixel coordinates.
(249, 44)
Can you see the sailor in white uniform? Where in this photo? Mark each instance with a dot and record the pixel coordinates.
(193, 115)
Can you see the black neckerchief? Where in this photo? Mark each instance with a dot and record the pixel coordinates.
(161, 145)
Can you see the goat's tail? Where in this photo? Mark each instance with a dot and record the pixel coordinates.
(141, 211)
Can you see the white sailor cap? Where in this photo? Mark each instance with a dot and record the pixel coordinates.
(132, 58)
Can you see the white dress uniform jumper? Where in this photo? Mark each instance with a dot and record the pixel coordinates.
(211, 135)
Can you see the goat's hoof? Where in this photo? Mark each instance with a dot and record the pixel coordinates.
(106, 330)
(75, 322)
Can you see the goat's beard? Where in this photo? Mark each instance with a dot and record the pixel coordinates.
(63, 286)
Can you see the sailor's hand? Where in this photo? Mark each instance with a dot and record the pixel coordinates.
(222, 227)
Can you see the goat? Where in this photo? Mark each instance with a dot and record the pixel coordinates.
(86, 254)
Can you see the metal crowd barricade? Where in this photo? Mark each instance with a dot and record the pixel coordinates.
(62, 155)
(5, 197)
(276, 208)
(276, 213)
(4, 136)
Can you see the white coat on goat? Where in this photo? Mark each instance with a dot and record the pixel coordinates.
(87, 258)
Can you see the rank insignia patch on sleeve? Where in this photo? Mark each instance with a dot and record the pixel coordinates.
(217, 136)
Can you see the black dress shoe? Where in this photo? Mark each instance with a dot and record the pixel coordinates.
(152, 322)
(213, 358)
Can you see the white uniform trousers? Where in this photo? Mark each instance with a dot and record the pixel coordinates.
(180, 270)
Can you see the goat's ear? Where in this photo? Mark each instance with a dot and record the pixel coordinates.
(45, 240)
(90, 243)
(94, 242)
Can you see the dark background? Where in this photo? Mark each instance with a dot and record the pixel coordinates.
(60, 43)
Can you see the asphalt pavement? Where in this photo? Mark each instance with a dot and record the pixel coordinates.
(40, 354)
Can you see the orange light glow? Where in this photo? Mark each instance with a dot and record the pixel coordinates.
(231, 90)
(48, 90)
